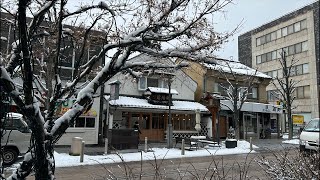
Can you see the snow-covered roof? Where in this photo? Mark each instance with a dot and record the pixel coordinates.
(131, 102)
(253, 107)
(237, 68)
(162, 90)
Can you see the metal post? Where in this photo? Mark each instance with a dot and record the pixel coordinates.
(258, 126)
(169, 133)
(218, 126)
(82, 151)
(105, 146)
(145, 144)
(251, 144)
(182, 147)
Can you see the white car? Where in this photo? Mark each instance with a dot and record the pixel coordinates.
(16, 138)
(310, 135)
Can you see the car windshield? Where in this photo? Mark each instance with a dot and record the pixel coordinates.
(313, 126)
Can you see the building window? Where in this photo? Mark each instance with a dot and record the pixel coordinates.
(253, 93)
(258, 59)
(279, 52)
(274, 55)
(183, 122)
(299, 70)
(303, 24)
(142, 83)
(273, 36)
(263, 40)
(284, 31)
(298, 48)
(302, 92)
(304, 46)
(268, 38)
(263, 58)
(84, 122)
(291, 50)
(297, 27)
(279, 33)
(271, 95)
(145, 82)
(269, 56)
(258, 42)
(290, 29)
(151, 82)
(305, 68)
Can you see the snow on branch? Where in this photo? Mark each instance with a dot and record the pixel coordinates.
(101, 5)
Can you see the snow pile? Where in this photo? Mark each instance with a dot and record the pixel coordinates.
(295, 139)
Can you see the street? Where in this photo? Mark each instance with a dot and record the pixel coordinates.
(227, 166)
(231, 166)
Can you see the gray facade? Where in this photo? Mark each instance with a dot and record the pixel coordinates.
(244, 40)
(297, 31)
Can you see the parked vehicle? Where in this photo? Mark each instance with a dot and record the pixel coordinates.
(16, 138)
(310, 135)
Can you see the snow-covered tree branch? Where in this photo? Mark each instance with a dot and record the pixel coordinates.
(115, 30)
(238, 87)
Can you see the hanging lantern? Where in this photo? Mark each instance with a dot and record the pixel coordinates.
(198, 127)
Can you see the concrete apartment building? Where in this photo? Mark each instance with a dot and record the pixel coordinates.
(297, 33)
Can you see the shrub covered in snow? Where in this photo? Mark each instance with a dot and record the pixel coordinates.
(292, 165)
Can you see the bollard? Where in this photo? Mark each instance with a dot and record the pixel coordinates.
(105, 146)
(182, 147)
(251, 144)
(82, 151)
(75, 146)
(145, 144)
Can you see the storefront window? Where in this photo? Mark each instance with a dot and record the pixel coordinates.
(146, 121)
(183, 122)
(158, 121)
(85, 122)
(90, 122)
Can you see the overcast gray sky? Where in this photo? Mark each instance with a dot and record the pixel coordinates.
(254, 13)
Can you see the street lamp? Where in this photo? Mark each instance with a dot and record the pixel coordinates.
(169, 130)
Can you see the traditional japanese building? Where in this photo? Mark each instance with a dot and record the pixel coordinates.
(146, 100)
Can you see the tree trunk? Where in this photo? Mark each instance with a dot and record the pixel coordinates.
(41, 162)
(236, 124)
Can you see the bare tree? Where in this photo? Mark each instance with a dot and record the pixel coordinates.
(127, 26)
(238, 87)
(285, 86)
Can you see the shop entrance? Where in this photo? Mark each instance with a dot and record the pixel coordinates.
(152, 125)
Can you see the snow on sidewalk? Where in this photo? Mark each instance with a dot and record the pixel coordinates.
(64, 160)
(295, 139)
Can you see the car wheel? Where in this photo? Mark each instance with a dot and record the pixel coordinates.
(9, 156)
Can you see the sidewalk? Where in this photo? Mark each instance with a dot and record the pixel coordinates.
(263, 144)
(100, 150)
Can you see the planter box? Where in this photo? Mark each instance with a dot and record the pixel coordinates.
(231, 143)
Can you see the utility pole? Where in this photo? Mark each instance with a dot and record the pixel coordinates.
(169, 131)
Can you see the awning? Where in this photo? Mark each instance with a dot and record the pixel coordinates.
(253, 107)
(131, 102)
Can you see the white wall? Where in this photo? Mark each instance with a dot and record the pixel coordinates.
(129, 86)
(89, 135)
